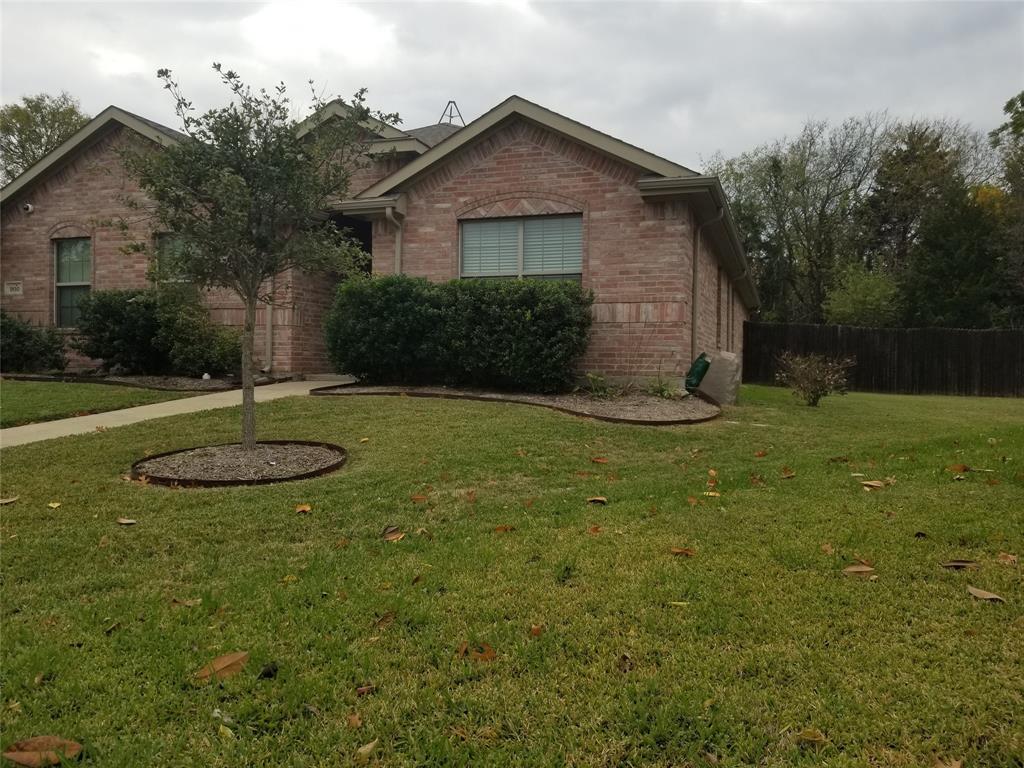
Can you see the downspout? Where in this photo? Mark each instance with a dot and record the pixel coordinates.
(389, 214)
(694, 290)
(268, 329)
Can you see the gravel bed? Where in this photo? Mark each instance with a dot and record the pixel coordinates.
(636, 406)
(230, 463)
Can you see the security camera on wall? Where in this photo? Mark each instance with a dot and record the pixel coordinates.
(27, 207)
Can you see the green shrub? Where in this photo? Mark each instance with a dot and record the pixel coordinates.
(118, 327)
(155, 331)
(812, 377)
(26, 348)
(525, 335)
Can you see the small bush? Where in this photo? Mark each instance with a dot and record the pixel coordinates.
(119, 327)
(812, 377)
(599, 388)
(155, 331)
(666, 388)
(521, 335)
(26, 348)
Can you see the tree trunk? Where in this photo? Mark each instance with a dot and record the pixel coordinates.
(248, 383)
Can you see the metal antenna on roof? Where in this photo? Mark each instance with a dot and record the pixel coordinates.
(451, 111)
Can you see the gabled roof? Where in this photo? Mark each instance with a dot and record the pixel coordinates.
(518, 106)
(339, 108)
(434, 134)
(161, 134)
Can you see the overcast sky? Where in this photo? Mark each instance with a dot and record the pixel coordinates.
(680, 79)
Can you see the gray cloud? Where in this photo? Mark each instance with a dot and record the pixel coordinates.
(681, 79)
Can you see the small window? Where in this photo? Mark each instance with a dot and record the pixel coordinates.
(541, 247)
(73, 278)
(167, 249)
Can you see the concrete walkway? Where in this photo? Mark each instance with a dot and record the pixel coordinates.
(80, 425)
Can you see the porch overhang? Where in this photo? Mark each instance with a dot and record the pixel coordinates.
(387, 206)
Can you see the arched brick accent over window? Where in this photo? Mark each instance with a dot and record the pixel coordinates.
(520, 203)
(69, 229)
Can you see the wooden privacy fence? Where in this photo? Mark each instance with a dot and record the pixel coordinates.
(947, 361)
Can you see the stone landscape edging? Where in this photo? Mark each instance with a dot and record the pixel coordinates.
(332, 391)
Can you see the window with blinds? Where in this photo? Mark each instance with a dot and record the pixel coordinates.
(73, 275)
(545, 247)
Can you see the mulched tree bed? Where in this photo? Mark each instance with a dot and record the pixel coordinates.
(632, 408)
(273, 461)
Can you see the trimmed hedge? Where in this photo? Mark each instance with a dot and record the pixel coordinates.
(524, 335)
(27, 348)
(155, 331)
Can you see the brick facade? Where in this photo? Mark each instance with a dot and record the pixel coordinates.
(636, 253)
(86, 197)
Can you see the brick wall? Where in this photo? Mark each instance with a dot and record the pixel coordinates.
(636, 254)
(84, 199)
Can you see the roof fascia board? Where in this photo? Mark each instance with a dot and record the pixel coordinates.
(407, 144)
(540, 116)
(338, 108)
(375, 206)
(77, 139)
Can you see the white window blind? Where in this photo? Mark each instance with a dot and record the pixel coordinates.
(539, 246)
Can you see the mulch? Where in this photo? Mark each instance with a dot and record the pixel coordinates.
(630, 408)
(231, 465)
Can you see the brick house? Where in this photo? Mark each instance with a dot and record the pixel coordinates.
(519, 192)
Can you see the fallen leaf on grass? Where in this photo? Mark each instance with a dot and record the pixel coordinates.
(692, 501)
(417, 579)
(683, 551)
(981, 594)
(1006, 558)
(393, 533)
(503, 529)
(53, 504)
(291, 578)
(756, 480)
(858, 569)
(714, 494)
(869, 485)
(223, 666)
(42, 750)
(366, 690)
(961, 565)
(364, 439)
(303, 509)
(126, 521)
(418, 498)
(424, 533)
(11, 500)
(599, 460)
(788, 473)
(958, 469)
(385, 621)
(191, 603)
(364, 752)
(760, 454)
(948, 763)
(354, 720)
(536, 630)
(341, 543)
(471, 496)
(225, 733)
(483, 653)
(828, 549)
(597, 500)
(811, 737)
(594, 530)
(104, 542)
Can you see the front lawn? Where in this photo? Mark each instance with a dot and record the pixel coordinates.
(754, 650)
(27, 402)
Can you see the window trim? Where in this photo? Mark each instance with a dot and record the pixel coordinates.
(520, 257)
(56, 274)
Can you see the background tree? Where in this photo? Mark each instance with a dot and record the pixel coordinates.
(247, 194)
(797, 198)
(34, 127)
(866, 298)
(1008, 142)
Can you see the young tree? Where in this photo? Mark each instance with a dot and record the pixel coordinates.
(247, 192)
(860, 297)
(33, 128)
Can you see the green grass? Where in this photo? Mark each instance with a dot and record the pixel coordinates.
(28, 402)
(645, 659)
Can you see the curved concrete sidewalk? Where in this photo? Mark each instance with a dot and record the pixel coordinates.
(80, 425)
